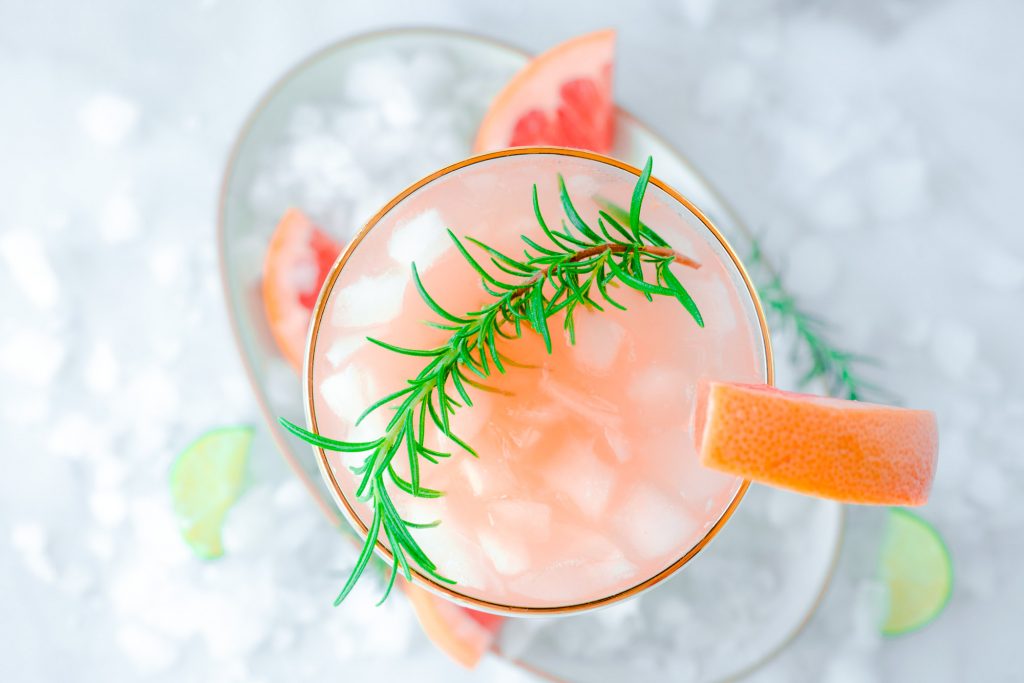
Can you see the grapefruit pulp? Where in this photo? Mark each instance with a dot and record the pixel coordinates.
(562, 97)
(298, 259)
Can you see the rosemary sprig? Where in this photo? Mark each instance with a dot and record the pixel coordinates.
(578, 266)
(836, 367)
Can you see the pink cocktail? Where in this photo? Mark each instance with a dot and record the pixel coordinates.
(587, 486)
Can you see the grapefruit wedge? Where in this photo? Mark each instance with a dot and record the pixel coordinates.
(298, 259)
(563, 98)
(847, 451)
(463, 634)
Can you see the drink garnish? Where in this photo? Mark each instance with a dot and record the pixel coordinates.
(206, 479)
(917, 570)
(848, 451)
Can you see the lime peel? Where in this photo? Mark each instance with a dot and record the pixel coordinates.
(918, 571)
(205, 480)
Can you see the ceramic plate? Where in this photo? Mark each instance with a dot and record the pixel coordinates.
(813, 531)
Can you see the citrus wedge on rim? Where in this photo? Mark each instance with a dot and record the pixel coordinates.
(918, 571)
(206, 479)
(848, 451)
(562, 97)
(461, 633)
(296, 264)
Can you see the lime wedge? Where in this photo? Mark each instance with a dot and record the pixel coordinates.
(206, 479)
(917, 568)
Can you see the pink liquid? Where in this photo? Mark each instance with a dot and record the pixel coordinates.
(587, 482)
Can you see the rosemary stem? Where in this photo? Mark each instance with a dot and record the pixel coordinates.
(583, 254)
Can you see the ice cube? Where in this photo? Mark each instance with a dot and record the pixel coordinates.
(375, 79)
(507, 553)
(655, 524)
(524, 437)
(615, 617)
(521, 516)
(370, 300)
(150, 652)
(31, 356)
(108, 118)
(586, 405)
(290, 495)
(233, 628)
(108, 507)
(120, 220)
(77, 581)
(249, 522)
(659, 388)
(619, 444)
(556, 584)
(306, 120)
(581, 185)
(598, 341)
(421, 510)
(349, 391)
(485, 477)
(344, 346)
(372, 427)
(28, 265)
(535, 414)
(584, 553)
(101, 544)
(76, 436)
(101, 368)
(717, 305)
(458, 557)
(575, 471)
(784, 508)
(401, 110)
(420, 239)
(30, 540)
(954, 348)
(611, 571)
(430, 73)
(474, 475)
(701, 486)
(588, 546)
(469, 421)
(155, 391)
(167, 264)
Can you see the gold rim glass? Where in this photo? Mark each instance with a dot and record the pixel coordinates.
(336, 488)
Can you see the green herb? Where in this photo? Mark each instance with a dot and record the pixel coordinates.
(578, 266)
(837, 368)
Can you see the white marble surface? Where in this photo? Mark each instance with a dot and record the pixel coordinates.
(876, 146)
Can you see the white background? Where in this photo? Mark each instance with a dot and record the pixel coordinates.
(877, 147)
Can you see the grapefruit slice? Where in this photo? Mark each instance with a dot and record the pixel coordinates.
(298, 259)
(461, 633)
(563, 98)
(918, 571)
(847, 451)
